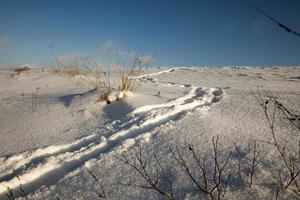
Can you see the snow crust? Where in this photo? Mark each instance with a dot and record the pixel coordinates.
(173, 106)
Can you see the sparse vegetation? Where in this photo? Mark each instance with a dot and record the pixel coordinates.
(85, 120)
(152, 181)
(129, 81)
(21, 69)
(71, 64)
(20, 192)
(288, 174)
(101, 194)
(248, 162)
(211, 174)
(95, 74)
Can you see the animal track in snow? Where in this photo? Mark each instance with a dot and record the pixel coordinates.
(45, 166)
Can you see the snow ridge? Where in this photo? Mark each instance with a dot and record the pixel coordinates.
(156, 73)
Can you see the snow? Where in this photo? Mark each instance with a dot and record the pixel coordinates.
(53, 127)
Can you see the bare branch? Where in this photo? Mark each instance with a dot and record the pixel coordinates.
(290, 164)
(281, 25)
(152, 181)
(102, 194)
(211, 181)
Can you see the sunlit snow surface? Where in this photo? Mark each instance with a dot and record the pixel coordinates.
(53, 128)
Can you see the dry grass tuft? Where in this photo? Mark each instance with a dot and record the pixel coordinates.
(75, 71)
(129, 80)
(100, 77)
(21, 69)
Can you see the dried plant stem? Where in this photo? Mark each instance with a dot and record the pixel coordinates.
(213, 184)
(152, 181)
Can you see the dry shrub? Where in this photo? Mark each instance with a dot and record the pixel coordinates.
(129, 76)
(75, 71)
(71, 64)
(288, 174)
(248, 162)
(100, 77)
(126, 80)
(211, 178)
(70, 71)
(89, 67)
(153, 181)
(21, 69)
(101, 82)
(19, 192)
(101, 193)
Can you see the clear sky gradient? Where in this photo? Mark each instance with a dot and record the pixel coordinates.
(178, 33)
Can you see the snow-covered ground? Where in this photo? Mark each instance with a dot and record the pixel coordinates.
(54, 131)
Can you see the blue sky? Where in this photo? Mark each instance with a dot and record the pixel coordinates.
(178, 33)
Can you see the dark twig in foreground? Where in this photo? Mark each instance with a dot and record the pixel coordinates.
(102, 194)
(281, 25)
(249, 163)
(290, 163)
(152, 181)
(211, 181)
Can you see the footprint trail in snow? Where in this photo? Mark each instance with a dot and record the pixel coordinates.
(46, 166)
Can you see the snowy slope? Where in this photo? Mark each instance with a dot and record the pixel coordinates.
(53, 128)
